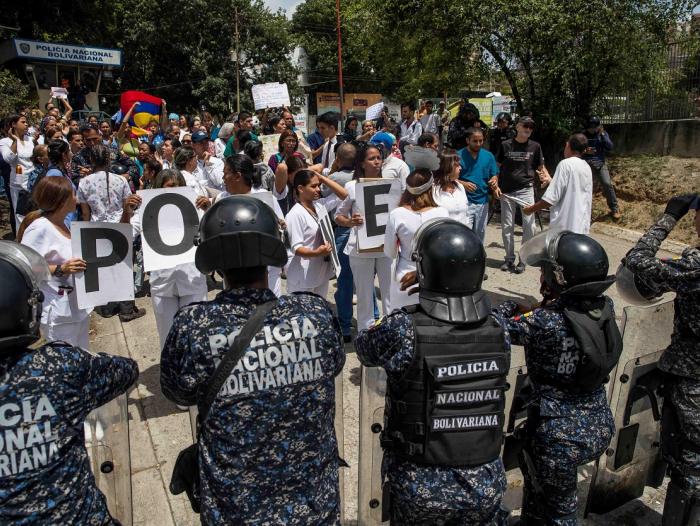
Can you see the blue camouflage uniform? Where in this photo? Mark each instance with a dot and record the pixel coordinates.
(564, 430)
(421, 495)
(681, 360)
(267, 450)
(45, 395)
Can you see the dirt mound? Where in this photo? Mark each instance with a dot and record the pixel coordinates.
(643, 185)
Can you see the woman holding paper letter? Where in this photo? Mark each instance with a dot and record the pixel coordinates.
(45, 231)
(416, 207)
(172, 288)
(310, 267)
(364, 265)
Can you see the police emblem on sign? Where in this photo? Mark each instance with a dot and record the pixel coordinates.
(24, 48)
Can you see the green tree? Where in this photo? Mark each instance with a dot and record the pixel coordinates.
(13, 93)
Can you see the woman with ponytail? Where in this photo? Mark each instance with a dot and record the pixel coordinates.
(45, 231)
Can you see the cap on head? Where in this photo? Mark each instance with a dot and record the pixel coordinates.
(383, 139)
(200, 136)
(527, 121)
(450, 261)
(239, 232)
(173, 117)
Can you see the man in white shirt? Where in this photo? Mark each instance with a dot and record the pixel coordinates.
(569, 195)
(430, 121)
(327, 124)
(392, 167)
(210, 169)
(411, 129)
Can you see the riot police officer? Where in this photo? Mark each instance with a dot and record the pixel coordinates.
(45, 395)
(267, 447)
(680, 427)
(446, 361)
(571, 344)
(502, 131)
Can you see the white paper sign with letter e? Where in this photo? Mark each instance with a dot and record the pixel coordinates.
(324, 223)
(270, 95)
(375, 198)
(169, 223)
(107, 250)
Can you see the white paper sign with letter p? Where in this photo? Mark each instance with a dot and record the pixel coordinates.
(270, 95)
(107, 250)
(375, 198)
(169, 223)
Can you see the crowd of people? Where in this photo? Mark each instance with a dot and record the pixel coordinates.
(267, 450)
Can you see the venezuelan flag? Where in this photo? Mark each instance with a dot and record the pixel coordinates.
(148, 109)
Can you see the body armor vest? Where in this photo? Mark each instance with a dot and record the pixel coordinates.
(448, 408)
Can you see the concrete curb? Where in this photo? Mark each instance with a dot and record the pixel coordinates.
(625, 234)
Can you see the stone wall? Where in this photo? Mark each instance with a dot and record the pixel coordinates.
(680, 138)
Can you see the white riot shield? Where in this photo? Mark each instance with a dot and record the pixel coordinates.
(107, 440)
(369, 491)
(633, 459)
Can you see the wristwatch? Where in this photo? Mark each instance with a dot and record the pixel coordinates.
(58, 272)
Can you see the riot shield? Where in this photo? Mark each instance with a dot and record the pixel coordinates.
(107, 437)
(633, 459)
(516, 414)
(369, 491)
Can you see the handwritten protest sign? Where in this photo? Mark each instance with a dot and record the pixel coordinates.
(374, 111)
(270, 95)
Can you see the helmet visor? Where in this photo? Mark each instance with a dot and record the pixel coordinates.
(27, 258)
(540, 248)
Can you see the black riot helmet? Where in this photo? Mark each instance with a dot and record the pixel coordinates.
(239, 232)
(593, 122)
(504, 116)
(119, 169)
(22, 271)
(450, 261)
(573, 264)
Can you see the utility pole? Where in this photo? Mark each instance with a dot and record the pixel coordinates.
(340, 59)
(238, 67)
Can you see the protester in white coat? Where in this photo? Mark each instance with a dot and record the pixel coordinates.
(45, 231)
(310, 267)
(364, 265)
(239, 175)
(16, 151)
(448, 192)
(416, 207)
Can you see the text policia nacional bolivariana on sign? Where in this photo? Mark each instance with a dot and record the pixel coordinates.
(67, 53)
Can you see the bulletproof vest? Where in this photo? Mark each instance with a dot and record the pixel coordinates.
(448, 408)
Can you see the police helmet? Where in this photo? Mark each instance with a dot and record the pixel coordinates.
(593, 121)
(239, 232)
(633, 288)
(573, 264)
(23, 270)
(119, 169)
(450, 261)
(504, 116)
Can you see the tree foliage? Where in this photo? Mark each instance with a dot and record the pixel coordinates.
(178, 50)
(13, 93)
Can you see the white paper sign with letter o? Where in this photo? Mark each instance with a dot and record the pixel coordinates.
(107, 250)
(169, 223)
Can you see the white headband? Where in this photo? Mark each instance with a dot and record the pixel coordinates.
(417, 190)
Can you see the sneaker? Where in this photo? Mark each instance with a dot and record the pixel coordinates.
(616, 215)
(486, 276)
(519, 268)
(508, 267)
(136, 313)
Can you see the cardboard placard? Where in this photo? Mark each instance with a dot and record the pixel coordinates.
(270, 144)
(107, 250)
(169, 223)
(326, 226)
(375, 198)
(270, 95)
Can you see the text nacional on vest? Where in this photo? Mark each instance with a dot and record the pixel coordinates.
(468, 397)
(27, 441)
(485, 367)
(279, 355)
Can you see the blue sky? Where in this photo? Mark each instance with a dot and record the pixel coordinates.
(287, 5)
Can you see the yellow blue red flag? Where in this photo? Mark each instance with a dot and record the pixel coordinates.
(147, 110)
